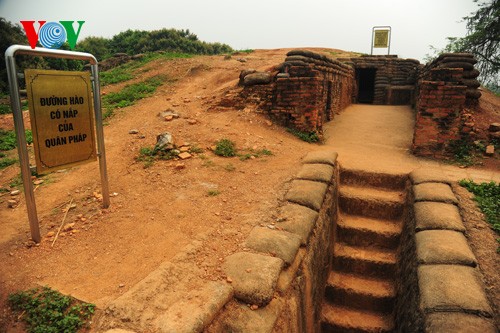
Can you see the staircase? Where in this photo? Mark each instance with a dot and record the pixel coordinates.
(360, 291)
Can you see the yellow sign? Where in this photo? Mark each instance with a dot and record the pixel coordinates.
(62, 118)
(381, 39)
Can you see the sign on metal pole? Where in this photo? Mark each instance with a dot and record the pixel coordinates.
(381, 38)
(66, 119)
(62, 120)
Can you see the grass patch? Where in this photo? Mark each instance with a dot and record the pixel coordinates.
(126, 71)
(229, 167)
(48, 311)
(225, 148)
(130, 94)
(487, 196)
(213, 193)
(8, 139)
(16, 182)
(5, 108)
(310, 137)
(6, 161)
(463, 151)
(148, 155)
(195, 150)
(255, 153)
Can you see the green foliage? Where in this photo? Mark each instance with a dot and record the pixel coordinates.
(305, 136)
(463, 151)
(99, 47)
(148, 155)
(482, 39)
(5, 108)
(6, 161)
(225, 148)
(10, 34)
(229, 167)
(16, 182)
(213, 193)
(115, 75)
(256, 154)
(130, 94)
(8, 139)
(487, 195)
(47, 311)
(195, 150)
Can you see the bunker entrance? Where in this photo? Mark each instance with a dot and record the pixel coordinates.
(365, 78)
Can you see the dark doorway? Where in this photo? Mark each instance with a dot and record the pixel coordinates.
(366, 84)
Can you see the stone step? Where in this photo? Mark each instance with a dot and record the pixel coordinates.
(370, 262)
(372, 179)
(360, 292)
(338, 319)
(370, 202)
(366, 231)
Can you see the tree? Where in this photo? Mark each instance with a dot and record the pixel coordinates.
(9, 34)
(483, 40)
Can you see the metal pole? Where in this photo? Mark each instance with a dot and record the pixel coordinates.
(101, 152)
(373, 33)
(22, 151)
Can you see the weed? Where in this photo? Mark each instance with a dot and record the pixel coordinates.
(208, 163)
(16, 182)
(47, 310)
(244, 157)
(8, 139)
(213, 193)
(305, 136)
(229, 167)
(195, 150)
(463, 151)
(149, 155)
(487, 196)
(5, 108)
(225, 148)
(263, 152)
(130, 94)
(6, 161)
(115, 75)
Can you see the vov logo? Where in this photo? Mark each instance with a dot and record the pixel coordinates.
(52, 35)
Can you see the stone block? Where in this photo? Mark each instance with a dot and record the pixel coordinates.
(307, 193)
(194, 313)
(277, 243)
(437, 192)
(437, 215)
(321, 157)
(451, 288)
(299, 220)
(444, 247)
(419, 176)
(316, 172)
(452, 322)
(254, 276)
(242, 319)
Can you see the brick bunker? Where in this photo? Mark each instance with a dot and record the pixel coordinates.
(308, 89)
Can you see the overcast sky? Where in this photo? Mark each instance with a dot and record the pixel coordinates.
(258, 24)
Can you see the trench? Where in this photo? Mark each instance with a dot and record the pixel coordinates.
(365, 275)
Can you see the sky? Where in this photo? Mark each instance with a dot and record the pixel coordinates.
(266, 24)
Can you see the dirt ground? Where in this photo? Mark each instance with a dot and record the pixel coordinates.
(154, 211)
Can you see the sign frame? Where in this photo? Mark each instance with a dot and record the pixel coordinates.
(15, 100)
(389, 33)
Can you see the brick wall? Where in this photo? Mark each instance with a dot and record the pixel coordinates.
(309, 90)
(445, 88)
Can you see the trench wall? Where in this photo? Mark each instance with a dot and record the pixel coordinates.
(447, 87)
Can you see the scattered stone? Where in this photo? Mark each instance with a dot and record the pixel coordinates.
(164, 141)
(241, 60)
(494, 127)
(68, 227)
(15, 192)
(121, 285)
(51, 234)
(12, 203)
(133, 131)
(269, 123)
(192, 121)
(180, 166)
(254, 307)
(38, 182)
(168, 118)
(229, 280)
(490, 150)
(184, 149)
(185, 155)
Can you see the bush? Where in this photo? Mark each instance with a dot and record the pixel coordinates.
(487, 196)
(8, 139)
(47, 311)
(305, 136)
(225, 148)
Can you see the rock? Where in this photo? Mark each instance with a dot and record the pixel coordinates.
(269, 123)
(168, 113)
(180, 166)
(185, 155)
(168, 118)
(490, 150)
(192, 121)
(12, 203)
(241, 60)
(68, 227)
(494, 127)
(257, 78)
(133, 131)
(15, 192)
(244, 73)
(51, 234)
(38, 182)
(164, 141)
(184, 149)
